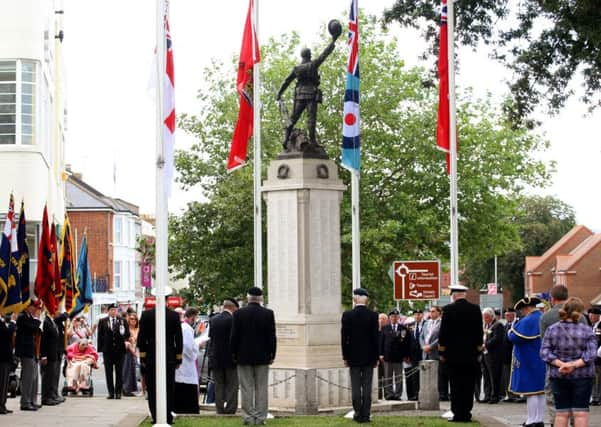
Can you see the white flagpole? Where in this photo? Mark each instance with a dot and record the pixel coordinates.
(355, 229)
(161, 223)
(453, 145)
(258, 235)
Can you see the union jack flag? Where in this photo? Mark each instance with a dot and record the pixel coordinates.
(350, 123)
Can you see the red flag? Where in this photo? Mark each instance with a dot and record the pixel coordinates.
(44, 280)
(442, 129)
(249, 56)
(57, 287)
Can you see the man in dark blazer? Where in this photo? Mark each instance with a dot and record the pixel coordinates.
(493, 355)
(28, 328)
(113, 331)
(8, 326)
(253, 346)
(395, 347)
(460, 347)
(507, 353)
(412, 373)
(359, 340)
(221, 363)
(174, 348)
(51, 356)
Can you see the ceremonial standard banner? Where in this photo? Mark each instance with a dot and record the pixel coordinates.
(249, 56)
(350, 124)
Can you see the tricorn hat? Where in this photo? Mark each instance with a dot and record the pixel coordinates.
(361, 292)
(527, 301)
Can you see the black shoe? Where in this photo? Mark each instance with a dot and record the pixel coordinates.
(110, 396)
(59, 399)
(595, 403)
(49, 402)
(29, 408)
(493, 401)
(118, 396)
(35, 405)
(5, 411)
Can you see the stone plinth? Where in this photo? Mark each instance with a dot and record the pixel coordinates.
(428, 385)
(303, 257)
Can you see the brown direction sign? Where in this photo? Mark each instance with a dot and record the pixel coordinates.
(416, 280)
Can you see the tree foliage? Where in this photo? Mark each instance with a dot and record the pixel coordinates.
(544, 43)
(541, 222)
(404, 186)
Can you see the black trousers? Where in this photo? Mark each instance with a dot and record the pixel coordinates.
(443, 382)
(493, 372)
(50, 380)
(361, 383)
(4, 374)
(151, 387)
(114, 363)
(463, 379)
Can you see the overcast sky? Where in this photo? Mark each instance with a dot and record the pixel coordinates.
(108, 54)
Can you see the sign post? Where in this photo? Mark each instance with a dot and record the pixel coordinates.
(416, 280)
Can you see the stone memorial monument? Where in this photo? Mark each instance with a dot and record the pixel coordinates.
(303, 194)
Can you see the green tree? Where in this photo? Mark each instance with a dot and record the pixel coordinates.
(541, 222)
(544, 43)
(404, 185)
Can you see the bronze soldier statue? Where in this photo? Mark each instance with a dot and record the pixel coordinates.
(307, 93)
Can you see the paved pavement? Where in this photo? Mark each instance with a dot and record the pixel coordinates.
(131, 411)
(80, 411)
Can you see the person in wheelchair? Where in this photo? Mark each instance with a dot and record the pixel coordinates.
(81, 358)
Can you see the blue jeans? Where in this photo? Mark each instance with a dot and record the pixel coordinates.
(572, 394)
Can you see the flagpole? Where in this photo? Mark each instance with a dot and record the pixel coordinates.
(161, 223)
(355, 229)
(453, 145)
(258, 223)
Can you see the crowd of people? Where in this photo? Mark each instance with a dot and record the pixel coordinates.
(542, 354)
(539, 353)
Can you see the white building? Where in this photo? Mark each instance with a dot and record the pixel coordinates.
(32, 111)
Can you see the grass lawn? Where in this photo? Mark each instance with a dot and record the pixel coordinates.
(317, 421)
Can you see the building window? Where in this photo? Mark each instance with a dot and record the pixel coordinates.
(18, 98)
(117, 275)
(118, 230)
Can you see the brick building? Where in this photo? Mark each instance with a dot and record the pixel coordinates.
(113, 227)
(574, 261)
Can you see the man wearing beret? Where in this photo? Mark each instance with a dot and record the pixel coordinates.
(253, 347)
(221, 363)
(359, 342)
(395, 347)
(594, 314)
(112, 334)
(28, 329)
(459, 348)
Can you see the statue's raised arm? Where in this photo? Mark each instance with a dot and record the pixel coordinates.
(307, 96)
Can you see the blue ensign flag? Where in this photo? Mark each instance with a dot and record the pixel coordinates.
(350, 123)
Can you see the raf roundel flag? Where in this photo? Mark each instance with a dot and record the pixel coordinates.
(350, 123)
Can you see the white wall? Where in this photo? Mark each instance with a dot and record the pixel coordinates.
(35, 173)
